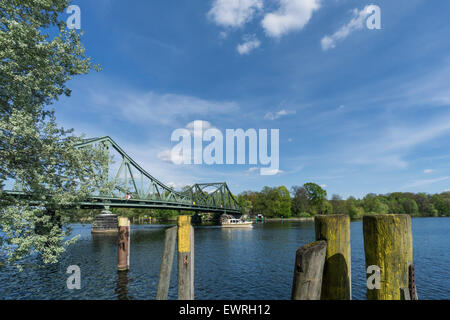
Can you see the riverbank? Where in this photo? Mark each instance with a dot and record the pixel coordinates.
(286, 219)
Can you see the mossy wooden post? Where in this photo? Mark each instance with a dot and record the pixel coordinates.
(124, 245)
(337, 273)
(308, 271)
(185, 259)
(388, 245)
(166, 263)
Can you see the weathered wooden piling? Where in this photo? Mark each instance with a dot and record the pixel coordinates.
(124, 244)
(388, 245)
(185, 259)
(337, 274)
(166, 264)
(308, 271)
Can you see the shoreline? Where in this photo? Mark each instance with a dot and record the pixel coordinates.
(287, 219)
(174, 220)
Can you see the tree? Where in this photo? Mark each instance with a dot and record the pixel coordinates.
(316, 195)
(300, 201)
(245, 201)
(426, 208)
(395, 206)
(272, 202)
(442, 204)
(285, 202)
(326, 207)
(338, 204)
(34, 151)
(410, 207)
(375, 205)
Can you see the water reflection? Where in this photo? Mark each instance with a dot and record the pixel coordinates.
(102, 242)
(235, 233)
(121, 289)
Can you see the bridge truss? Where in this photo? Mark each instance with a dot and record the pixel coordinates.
(130, 186)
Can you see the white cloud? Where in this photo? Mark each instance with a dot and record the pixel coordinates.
(234, 13)
(279, 114)
(272, 172)
(421, 183)
(395, 142)
(356, 23)
(161, 108)
(205, 125)
(252, 170)
(381, 159)
(167, 156)
(176, 186)
(250, 43)
(428, 171)
(292, 15)
(142, 107)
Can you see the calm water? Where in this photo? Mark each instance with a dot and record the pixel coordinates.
(229, 264)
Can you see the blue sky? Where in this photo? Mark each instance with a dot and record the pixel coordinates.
(368, 112)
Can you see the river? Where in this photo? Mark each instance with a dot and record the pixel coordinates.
(229, 264)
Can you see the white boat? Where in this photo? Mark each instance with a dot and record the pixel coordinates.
(231, 222)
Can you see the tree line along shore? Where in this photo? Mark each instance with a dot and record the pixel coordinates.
(308, 201)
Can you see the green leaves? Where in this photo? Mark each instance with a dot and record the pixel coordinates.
(34, 151)
(317, 196)
(272, 202)
(34, 67)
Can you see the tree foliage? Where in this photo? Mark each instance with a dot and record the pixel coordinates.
(310, 199)
(315, 193)
(37, 57)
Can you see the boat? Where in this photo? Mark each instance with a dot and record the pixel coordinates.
(228, 221)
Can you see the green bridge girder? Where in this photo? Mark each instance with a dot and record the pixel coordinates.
(130, 186)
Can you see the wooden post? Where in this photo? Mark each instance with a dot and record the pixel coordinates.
(308, 271)
(185, 259)
(124, 244)
(388, 245)
(166, 264)
(337, 273)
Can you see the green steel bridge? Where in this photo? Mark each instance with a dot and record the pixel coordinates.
(130, 186)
